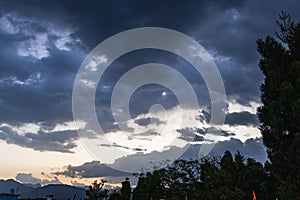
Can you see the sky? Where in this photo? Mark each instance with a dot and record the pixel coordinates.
(43, 46)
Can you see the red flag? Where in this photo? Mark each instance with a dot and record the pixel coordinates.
(254, 196)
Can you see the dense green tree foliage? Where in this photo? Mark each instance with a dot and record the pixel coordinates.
(280, 112)
(231, 177)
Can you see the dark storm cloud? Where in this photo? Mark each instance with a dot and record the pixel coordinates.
(232, 34)
(241, 118)
(35, 47)
(188, 134)
(123, 147)
(195, 134)
(148, 120)
(226, 133)
(92, 169)
(114, 16)
(203, 116)
(143, 121)
(198, 135)
(228, 29)
(59, 141)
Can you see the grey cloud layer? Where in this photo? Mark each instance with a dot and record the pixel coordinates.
(60, 141)
(90, 170)
(241, 118)
(44, 43)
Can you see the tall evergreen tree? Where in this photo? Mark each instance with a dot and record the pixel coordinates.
(280, 113)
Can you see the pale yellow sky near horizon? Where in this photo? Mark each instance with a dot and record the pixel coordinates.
(16, 159)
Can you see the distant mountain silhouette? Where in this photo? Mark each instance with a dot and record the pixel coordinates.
(60, 191)
(37, 185)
